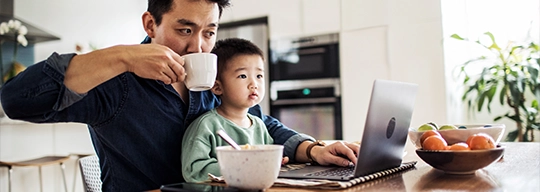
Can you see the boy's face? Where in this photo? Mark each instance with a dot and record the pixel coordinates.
(241, 84)
(189, 27)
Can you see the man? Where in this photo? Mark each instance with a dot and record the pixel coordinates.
(135, 102)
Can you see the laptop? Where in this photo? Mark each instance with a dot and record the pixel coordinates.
(385, 133)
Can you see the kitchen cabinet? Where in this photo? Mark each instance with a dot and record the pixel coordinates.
(321, 16)
(357, 14)
(246, 9)
(284, 18)
(364, 57)
(289, 18)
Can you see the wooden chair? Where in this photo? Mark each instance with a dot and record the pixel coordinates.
(91, 173)
(38, 162)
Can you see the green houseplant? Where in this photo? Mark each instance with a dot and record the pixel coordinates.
(511, 78)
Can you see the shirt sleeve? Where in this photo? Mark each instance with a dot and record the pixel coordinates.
(38, 94)
(197, 152)
(281, 134)
(39, 90)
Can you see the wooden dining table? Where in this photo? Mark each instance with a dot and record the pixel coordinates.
(517, 170)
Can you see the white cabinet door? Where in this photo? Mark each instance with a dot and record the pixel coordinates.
(357, 14)
(364, 58)
(284, 19)
(321, 16)
(246, 9)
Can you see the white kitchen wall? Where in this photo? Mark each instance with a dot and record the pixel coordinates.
(402, 44)
(98, 22)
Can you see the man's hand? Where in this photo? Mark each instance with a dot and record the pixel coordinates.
(153, 61)
(339, 153)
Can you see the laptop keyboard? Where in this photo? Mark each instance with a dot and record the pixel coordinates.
(340, 171)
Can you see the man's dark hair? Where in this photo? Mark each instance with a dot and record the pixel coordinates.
(226, 49)
(159, 7)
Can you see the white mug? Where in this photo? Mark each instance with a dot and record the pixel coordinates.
(201, 71)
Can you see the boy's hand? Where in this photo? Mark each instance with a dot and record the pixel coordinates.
(285, 160)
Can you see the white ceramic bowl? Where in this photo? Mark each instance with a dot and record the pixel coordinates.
(256, 168)
(460, 135)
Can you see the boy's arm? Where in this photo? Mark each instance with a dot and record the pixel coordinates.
(196, 150)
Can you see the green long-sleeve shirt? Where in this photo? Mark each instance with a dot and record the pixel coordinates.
(200, 141)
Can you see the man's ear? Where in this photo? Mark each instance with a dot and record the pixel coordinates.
(149, 24)
(217, 89)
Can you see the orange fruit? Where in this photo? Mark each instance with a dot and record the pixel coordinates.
(480, 141)
(461, 146)
(426, 134)
(434, 142)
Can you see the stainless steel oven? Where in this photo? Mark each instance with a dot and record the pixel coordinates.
(312, 57)
(312, 106)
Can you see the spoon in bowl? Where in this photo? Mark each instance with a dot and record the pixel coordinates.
(228, 139)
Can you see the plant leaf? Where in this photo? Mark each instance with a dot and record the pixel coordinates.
(513, 117)
(502, 95)
(481, 101)
(534, 46)
(515, 94)
(490, 93)
(512, 135)
(456, 36)
(493, 43)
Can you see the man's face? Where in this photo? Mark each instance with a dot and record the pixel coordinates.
(189, 27)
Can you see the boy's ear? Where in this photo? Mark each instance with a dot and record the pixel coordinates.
(217, 89)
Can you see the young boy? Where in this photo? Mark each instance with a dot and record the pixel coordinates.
(240, 85)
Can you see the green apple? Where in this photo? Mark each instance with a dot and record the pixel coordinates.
(434, 125)
(427, 127)
(448, 127)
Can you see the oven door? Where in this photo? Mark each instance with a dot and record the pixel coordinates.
(312, 107)
(317, 117)
(314, 62)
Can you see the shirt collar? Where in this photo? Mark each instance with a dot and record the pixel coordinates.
(146, 40)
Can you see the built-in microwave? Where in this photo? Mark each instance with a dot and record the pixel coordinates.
(312, 57)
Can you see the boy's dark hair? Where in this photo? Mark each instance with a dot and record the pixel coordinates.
(159, 7)
(227, 49)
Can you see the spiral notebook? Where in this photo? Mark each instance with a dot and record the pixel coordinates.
(385, 133)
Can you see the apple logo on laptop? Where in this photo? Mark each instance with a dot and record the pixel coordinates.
(391, 127)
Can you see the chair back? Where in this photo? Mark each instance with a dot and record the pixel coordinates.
(91, 173)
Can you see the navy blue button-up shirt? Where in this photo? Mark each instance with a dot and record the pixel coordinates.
(136, 124)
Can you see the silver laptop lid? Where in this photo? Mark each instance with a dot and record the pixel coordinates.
(385, 132)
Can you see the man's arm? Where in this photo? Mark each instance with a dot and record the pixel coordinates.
(282, 134)
(34, 93)
(62, 80)
(38, 95)
(296, 144)
(151, 61)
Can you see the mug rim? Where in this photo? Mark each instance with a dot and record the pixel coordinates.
(201, 53)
